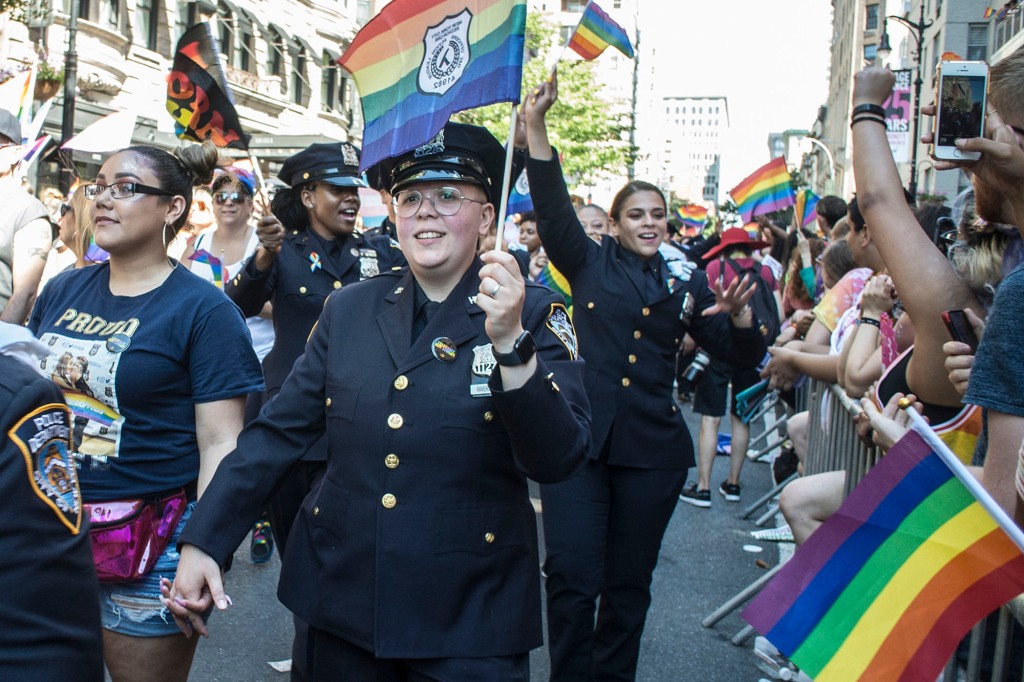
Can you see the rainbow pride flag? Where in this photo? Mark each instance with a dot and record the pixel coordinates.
(888, 586)
(692, 215)
(596, 32)
(556, 281)
(204, 256)
(766, 190)
(419, 61)
(806, 203)
(753, 230)
(987, 14)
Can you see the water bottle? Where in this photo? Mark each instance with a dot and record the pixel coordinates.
(697, 367)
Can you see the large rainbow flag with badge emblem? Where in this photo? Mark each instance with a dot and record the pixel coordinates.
(419, 61)
(766, 190)
(888, 586)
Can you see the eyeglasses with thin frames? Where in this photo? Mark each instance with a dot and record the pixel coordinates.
(447, 201)
(123, 190)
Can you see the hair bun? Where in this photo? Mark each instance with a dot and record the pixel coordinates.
(199, 160)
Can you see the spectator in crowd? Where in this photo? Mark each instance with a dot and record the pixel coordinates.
(594, 220)
(155, 364)
(603, 528)
(49, 605)
(830, 209)
(200, 219)
(25, 232)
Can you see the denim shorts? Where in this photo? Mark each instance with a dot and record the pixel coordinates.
(133, 607)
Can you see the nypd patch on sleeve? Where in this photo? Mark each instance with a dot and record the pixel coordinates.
(560, 324)
(44, 438)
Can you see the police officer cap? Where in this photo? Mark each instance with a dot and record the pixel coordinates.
(331, 162)
(459, 153)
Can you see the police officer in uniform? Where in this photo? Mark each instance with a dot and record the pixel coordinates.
(440, 389)
(603, 528)
(308, 249)
(49, 603)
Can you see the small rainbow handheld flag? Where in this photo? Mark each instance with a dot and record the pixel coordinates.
(556, 281)
(692, 215)
(204, 256)
(596, 32)
(987, 14)
(889, 585)
(766, 190)
(806, 207)
(419, 61)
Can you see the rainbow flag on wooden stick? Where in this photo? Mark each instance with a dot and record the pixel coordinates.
(888, 586)
(419, 61)
(766, 190)
(806, 207)
(692, 215)
(596, 32)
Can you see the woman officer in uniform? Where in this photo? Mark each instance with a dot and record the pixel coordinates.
(308, 249)
(603, 528)
(440, 390)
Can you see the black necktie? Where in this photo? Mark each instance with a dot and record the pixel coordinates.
(422, 318)
(652, 279)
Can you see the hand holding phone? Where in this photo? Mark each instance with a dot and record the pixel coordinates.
(960, 108)
(960, 328)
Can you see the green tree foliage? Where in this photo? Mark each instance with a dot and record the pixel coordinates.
(590, 138)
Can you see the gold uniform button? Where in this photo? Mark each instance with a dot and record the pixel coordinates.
(625, 381)
(302, 290)
(391, 461)
(395, 421)
(488, 416)
(489, 538)
(337, 284)
(632, 359)
(590, 306)
(327, 402)
(637, 334)
(388, 501)
(645, 311)
(402, 382)
(316, 511)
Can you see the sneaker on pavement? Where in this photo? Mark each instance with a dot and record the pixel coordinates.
(261, 546)
(698, 498)
(730, 491)
(779, 534)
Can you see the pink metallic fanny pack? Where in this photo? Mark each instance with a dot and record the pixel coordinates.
(128, 536)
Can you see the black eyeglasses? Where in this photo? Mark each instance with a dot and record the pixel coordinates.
(123, 190)
(64, 208)
(221, 198)
(446, 201)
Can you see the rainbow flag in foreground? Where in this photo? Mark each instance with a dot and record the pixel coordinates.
(692, 215)
(556, 281)
(766, 190)
(419, 61)
(596, 32)
(888, 586)
(806, 207)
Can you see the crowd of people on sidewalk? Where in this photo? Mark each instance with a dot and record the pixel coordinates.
(201, 364)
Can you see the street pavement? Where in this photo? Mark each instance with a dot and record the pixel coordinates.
(702, 564)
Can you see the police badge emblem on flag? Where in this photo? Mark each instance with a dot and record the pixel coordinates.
(44, 438)
(445, 54)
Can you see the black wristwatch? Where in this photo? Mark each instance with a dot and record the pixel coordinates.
(523, 349)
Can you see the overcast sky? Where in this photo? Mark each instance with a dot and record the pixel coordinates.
(768, 57)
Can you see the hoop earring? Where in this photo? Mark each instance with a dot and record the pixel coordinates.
(167, 244)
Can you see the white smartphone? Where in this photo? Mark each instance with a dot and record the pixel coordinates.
(960, 108)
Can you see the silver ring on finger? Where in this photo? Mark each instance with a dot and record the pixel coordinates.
(494, 291)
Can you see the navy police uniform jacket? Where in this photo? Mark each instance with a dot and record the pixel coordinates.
(298, 283)
(49, 602)
(629, 337)
(421, 540)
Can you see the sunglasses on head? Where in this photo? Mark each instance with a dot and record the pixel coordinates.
(64, 208)
(222, 197)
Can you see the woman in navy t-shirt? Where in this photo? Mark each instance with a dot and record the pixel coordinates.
(155, 364)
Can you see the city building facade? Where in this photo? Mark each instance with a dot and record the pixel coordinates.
(689, 155)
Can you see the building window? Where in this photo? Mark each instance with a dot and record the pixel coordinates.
(977, 42)
(184, 19)
(869, 52)
(298, 74)
(871, 24)
(275, 53)
(226, 30)
(329, 85)
(245, 48)
(146, 19)
(573, 5)
(109, 14)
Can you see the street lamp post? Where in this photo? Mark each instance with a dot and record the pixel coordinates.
(67, 128)
(831, 161)
(917, 30)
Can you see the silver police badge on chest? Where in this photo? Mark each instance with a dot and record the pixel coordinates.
(368, 266)
(480, 370)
